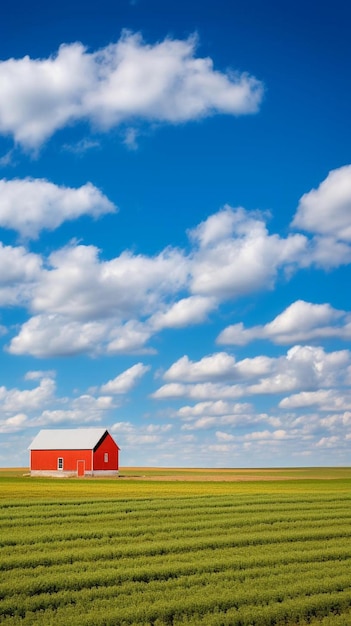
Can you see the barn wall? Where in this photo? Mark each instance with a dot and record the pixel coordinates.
(47, 459)
(107, 445)
(62, 474)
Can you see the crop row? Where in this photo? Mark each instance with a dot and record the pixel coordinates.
(133, 576)
(165, 547)
(193, 518)
(103, 548)
(242, 503)
(176, 561)
(227, 532)
(198, 607)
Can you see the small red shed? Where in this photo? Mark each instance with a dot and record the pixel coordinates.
(74, 452)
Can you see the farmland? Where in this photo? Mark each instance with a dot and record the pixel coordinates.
(176, 547)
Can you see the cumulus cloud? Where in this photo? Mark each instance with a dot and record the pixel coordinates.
(220, 365)
(84, 409)
(235, 255)
(185, 312)
(82, 286)
(324, 399)
(337, 421)
(267, 434)
(19, 272)
(326, 253)
(212, 414)
(126, 381)
(127, 80)
(301, 321)
(25, 400)
(129, 338)
(237, 420)
(327, 209)
(302, 368)
(48, 335)
(38, 374)
(31, 205)
(217, 408)
(328, 442)
(83, 303)
(130, 435)
(199, 391)
(221, 436)
(13, 424)
(42, 406)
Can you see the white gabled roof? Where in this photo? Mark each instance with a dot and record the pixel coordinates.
(67, 439)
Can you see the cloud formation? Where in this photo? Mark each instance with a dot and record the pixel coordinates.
(82, 303)
(126, 381)
(301, 321)
(302, 368)
(220, 365)
(327, 209)
(31, 205)
(126, 80)
(20, 270)
(234, 254)
(41, 406)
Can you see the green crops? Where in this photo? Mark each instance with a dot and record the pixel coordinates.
(238, 559)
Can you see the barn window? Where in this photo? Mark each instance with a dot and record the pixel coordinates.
(106, 457)
(60, 463)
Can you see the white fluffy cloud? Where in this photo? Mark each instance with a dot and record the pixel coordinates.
(129, 338)
(301, 321)
(302, 368)
(185, 312)
(42, 406)
(25, 400)
(209, 415)
(83, 303)
(199, 391)
(324, 399)
(47, 335)
(84, 409)
(39, 374)
(266, 435)
(327, 209)
(123, 81)
(235, 255)
(131, 436)
(14, 423)
(83, 287)
(220, 365)
(126, 381)
(19, 272)
(31, 205)
(216, 408)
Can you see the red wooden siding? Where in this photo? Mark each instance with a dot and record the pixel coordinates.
(47, 459)
(110, 447)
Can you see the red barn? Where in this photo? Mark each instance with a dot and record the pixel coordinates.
(74, 452)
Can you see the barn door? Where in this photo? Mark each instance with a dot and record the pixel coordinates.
(80, 468)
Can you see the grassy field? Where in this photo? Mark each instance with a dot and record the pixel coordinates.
(172, 547)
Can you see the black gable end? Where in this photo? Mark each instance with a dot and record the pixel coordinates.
(100, 441)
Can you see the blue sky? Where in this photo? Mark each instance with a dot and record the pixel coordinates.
(175, 229)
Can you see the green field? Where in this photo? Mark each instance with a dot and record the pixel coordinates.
(175, 547)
